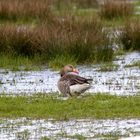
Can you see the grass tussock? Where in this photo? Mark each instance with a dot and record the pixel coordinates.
(80, 40)
(28, 10)
(24, 9)
(130, 36)
(98, 107)
(116, 9)
(71, 4)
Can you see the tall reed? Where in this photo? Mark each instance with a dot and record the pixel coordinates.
(74, 3)
(130, 36)
(116, 9)
(24, 9)
(81, 39)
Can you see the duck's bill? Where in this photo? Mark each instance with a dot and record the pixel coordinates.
(76, 71)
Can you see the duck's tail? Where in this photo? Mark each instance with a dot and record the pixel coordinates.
(89, 81)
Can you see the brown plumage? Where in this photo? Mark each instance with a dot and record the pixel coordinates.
(71, 83)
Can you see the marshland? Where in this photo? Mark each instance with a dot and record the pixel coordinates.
(100, 38)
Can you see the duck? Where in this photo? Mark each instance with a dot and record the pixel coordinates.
(70, 83)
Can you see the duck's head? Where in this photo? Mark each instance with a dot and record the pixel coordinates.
(67, 69)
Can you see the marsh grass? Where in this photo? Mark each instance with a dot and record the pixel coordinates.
(45, 138)
(25, 10)
(76, 136)
(79, 40)
(130, 36)
(98, 106)
(116, 9)
(40, 10)
(60, 61)
(113, 136)
(23, 135)
(71, 4)
(17, 63)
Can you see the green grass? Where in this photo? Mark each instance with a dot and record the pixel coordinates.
(76, 136)
(45, 138)
(60, 61)
(98, 106)
(25, 63)
(16, 63)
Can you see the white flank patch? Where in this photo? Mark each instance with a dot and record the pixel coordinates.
(79, 88)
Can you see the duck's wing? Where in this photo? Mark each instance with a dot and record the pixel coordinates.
(76, 79)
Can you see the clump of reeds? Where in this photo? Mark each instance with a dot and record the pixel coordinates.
(130, 36)
(18, 40)
(82, 40)
(116, 9)
(24, 9)
(60, 4)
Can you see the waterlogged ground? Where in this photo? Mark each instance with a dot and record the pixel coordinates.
(119, 79)
(24, 128)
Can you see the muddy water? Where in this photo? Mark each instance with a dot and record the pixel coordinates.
(122, 81)
(24, 128)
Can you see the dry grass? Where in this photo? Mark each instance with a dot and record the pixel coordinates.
(83, 41)
(130, 36)
(60, 4)
(24, 9)
(116, 9)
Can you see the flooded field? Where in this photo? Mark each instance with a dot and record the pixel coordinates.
(24, 129)
(123, 80)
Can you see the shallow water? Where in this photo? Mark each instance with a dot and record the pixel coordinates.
(24, 128)
(123, 81)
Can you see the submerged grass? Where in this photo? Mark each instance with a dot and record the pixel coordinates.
(76, 136)
(135, 64)
(108, 67)
(97, 106)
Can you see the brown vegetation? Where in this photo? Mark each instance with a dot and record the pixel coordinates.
(24, 9)
(116, 9)
(130, 36)
(84, 40)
